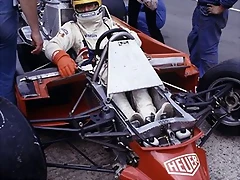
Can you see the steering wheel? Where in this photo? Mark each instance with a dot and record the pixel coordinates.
(107, 34)
(123, 34)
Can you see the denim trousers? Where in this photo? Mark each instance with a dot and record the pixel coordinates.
(8, 46)
(204, 38)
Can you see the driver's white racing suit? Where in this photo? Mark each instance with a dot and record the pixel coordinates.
(84, 33)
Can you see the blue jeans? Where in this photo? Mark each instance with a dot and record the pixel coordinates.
(204, 38)
(8, 46)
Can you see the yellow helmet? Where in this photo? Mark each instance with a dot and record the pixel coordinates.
(79, 4)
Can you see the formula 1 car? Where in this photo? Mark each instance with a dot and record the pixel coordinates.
(81, 106)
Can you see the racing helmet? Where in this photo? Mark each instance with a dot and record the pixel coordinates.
(83, 6)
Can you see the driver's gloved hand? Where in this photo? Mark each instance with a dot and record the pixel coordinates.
(66, 65)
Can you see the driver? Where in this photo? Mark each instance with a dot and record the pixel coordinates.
(81, 35)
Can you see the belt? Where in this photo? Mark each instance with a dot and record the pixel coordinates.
(206, 4)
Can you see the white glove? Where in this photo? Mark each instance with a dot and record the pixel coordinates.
(151, 4)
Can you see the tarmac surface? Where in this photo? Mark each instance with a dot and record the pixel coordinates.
(222, 151)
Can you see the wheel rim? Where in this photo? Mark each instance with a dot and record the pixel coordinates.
(231, 101)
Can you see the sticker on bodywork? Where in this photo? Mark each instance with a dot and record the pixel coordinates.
(186, 165)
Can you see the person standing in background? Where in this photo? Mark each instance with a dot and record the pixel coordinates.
(8, 41)
(152, 15)
(160, 18)
(208, 20)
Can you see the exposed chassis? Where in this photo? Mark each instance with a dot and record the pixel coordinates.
(192, 103)
(105, 131)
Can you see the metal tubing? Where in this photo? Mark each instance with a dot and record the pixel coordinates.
(78, 101)
(57, 129)
(176, 87)
(204, 139)
(112, 146)
(100, 64)
(105, 50)
(219, 94)
(90, 127)
(203, 114)
(112, 134)
(80, 167)
(90, 111)
(79, 118)
(206, 91)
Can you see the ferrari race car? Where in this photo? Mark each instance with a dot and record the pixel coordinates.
(81, 106)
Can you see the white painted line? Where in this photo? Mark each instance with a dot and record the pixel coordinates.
(233, 9)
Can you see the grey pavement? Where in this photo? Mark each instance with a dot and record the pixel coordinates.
(237, 5)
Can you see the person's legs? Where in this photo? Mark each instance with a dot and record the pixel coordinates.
(120, 99)
(8, 46)
(142, 23)
(164, 108)
(204, 39)
(151, 105)
(133, 11)
(152, 26)
(192, 40)
(123, 104)
(143, 103)
(208, 47)
(209, 36)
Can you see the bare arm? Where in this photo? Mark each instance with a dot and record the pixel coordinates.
(29, 8)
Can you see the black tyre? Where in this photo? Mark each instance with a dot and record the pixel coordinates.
(226, 72)
(21, 156)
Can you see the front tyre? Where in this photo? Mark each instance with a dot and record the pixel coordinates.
(225, 72)
(21, 156)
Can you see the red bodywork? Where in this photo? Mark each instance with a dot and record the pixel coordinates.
(184, 161)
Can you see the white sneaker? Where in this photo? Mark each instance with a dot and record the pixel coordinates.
(165, 111)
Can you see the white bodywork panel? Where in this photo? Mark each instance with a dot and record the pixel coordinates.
(129, 68)
(166, 60)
